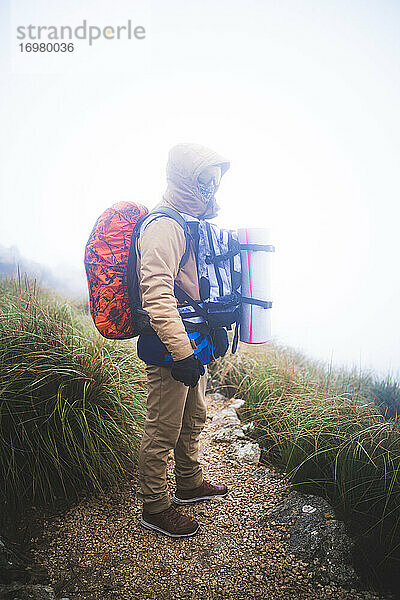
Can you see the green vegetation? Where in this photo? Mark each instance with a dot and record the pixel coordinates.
(72, 407)
(71, 403)
(322, 428)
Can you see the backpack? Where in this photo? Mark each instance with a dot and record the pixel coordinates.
(110, 265)
(219, 277)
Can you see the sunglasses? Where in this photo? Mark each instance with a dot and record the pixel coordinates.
(210, 175)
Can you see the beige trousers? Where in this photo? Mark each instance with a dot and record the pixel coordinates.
(175, 417)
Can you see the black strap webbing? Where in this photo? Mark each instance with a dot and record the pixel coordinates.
(182, 296)
(216, 258)
(235, 338)
(262, 303)
(258, 247)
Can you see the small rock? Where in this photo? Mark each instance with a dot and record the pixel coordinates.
(227, 434)
(237, 403)
(248, 453)
(216, 397)
(225, 417)
(307, 508)
(248, 426)
(263, 473)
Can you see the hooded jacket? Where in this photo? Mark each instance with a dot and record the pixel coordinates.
(163, 243)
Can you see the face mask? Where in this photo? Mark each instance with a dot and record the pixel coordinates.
(208, 190)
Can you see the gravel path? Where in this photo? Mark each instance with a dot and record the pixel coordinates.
(98, 550)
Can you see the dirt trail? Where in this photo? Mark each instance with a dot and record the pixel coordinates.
(98, 549)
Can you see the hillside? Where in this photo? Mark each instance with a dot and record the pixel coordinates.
(71, 422)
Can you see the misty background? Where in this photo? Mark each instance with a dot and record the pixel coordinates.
(301, 96)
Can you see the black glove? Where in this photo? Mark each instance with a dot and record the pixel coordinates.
(220, 342)
(188, 370)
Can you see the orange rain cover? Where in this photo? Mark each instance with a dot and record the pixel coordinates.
(106, 260)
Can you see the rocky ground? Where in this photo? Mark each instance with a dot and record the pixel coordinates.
(98, 550)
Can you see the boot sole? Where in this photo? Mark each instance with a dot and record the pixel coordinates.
(165, 532)
(189, 500)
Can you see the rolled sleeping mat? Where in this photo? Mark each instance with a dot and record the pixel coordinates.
(255, 254)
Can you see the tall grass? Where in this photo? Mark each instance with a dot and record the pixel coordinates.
(71, 403)
(321, 428)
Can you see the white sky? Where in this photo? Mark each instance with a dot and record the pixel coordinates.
(302, 97)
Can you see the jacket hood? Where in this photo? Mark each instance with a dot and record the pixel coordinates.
(185, 163)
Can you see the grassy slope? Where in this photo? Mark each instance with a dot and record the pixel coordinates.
(322, 428)
(72, 410)
(71, 403)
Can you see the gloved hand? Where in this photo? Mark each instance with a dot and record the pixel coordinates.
(220, 342)
(188, 370)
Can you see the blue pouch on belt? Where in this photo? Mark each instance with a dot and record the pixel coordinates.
(152, 351)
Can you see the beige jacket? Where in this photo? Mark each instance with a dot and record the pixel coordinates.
(163, 244)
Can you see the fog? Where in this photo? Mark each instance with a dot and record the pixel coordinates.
(301, 96)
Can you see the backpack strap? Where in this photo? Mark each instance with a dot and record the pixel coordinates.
(131, 279)
(258, 247)
(176, 216)
(262, 303)
(182, 296)
(213, 260)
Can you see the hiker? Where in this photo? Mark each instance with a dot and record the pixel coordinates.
(176, 365)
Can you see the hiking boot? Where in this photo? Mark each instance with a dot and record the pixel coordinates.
(205, 491)
(170, 522)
